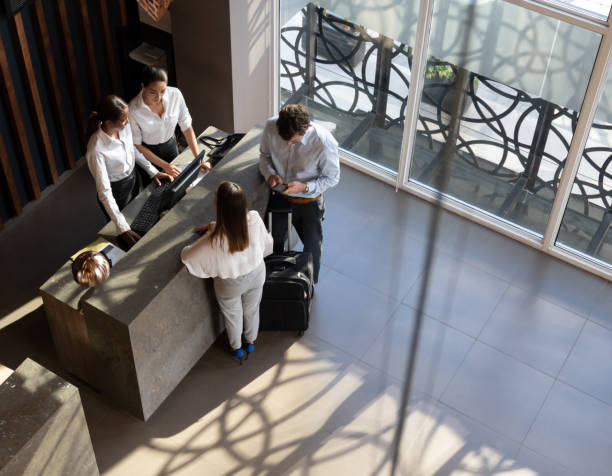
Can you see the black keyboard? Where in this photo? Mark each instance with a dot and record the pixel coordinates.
(149, 213)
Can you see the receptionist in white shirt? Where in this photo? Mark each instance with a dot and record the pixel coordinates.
(154, 115)
(111, 159)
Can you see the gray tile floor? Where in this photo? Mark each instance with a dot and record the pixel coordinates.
(512, 376)
(513, 339)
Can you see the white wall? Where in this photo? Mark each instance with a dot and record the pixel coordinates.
(251, 46)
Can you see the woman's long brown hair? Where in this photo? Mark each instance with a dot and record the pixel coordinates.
(232, 217)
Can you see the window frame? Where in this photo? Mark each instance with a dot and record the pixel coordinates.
(401, 180)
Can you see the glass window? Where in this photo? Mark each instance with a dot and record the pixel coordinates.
(597, 8)
(586, 222)
(520, 78)
(356, 83)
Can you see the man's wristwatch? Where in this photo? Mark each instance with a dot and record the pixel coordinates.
(306, 191)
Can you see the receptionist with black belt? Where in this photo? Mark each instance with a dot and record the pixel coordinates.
(111, 159)
(154, 115)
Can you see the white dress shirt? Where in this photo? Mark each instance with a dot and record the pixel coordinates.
(110, 160)
(149, 128)
(206, 259)
(313, 160)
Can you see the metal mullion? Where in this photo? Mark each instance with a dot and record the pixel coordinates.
(274, 57)
(417, 76)
(592, 24)
(595, 89)
(567, 8)
(585, 263)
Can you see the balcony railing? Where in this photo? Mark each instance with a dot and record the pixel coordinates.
(359, 80)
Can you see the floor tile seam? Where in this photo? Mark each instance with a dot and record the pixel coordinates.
(485, 425)
(572, 347)
(454, 375)
(407, 230)
(461, 257)
(487, 271)
(598, 324)
(427, 316)
(346, 354)
(471, 265)
(558, 463)
(358, 281)
(439, 321)
(536, 416)
(447, 324)
(609, 328)
(495, 307)
(414, 283)
(602, 298)
(540, 296)
(401, 380)
(526, 364)
(333, 265)
(584, 392)
(358, 360)
(344, 252)
(387, 322)
(355, 359)
(382, 330)
(328, 386)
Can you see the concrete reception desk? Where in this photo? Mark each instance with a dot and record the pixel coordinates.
(135, 336)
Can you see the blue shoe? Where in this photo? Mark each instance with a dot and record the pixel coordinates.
(248, 348)
(238, 353)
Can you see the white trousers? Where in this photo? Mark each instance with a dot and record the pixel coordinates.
(239, 300)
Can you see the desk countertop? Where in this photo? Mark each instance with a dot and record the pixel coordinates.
(152, 263)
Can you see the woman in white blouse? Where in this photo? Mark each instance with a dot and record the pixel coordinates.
(232, 252)
(111, 159)
(154, 114)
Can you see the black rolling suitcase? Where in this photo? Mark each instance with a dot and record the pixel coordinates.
(287, 293)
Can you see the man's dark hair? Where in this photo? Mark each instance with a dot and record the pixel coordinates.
(292, 119)
(153, 74)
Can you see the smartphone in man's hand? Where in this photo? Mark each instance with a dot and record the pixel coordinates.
(279, 188)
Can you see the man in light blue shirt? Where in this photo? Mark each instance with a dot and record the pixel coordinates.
(304, 157)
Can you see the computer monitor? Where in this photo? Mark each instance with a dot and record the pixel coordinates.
(175, 190)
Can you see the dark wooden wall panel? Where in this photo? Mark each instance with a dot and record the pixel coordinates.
(8, 179)
(54, 90)
(25, 59)
(73, 74)
(92, 66)
(56, 57)
(10, 97)
(123, 16)
(108, 44)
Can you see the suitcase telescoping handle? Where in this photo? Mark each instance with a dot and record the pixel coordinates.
(289, 219)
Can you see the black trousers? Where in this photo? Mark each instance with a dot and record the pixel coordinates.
(124, 191)
(166, 151)
(307, 219)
